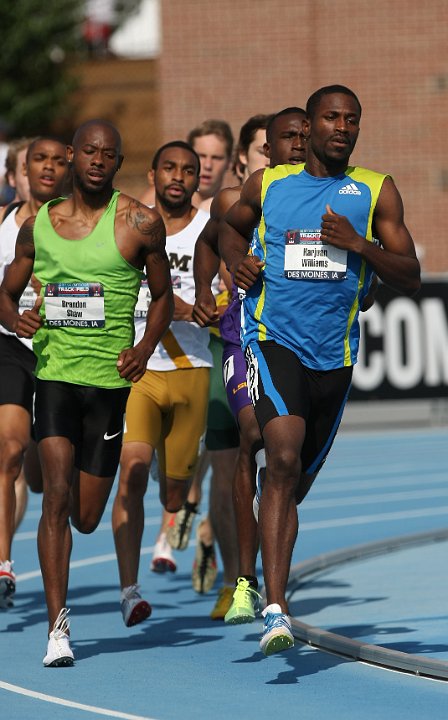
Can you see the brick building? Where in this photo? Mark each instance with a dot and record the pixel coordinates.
(236, 58)
(125, 92)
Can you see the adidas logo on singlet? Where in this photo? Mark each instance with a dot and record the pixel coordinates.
(349, 189)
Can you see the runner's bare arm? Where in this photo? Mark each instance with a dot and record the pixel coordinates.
(14, 283)
(147, 230)
(206, 263)
(205, 266)
(235, 232)
(395, 261)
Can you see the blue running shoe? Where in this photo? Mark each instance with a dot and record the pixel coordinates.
(277, 634)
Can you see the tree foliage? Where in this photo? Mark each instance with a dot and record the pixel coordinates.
(37, 39)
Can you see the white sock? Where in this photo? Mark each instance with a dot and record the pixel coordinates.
(260, 459)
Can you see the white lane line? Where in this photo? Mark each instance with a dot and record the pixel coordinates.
(384, 498)
(35, 514)
(304, 526)
(69, 703)
(317, 504)
(95, 560)
(327, 485)
(366, 519)
(31, 534)
(340, 478)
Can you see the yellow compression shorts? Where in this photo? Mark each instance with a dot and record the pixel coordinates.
(168, 410)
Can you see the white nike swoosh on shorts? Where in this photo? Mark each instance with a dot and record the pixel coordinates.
(110, 437)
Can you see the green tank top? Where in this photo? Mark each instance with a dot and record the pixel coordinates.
(89, 292)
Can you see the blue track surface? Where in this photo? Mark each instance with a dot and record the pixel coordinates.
(180, 664)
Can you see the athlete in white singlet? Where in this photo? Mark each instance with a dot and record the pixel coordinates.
(167, 408)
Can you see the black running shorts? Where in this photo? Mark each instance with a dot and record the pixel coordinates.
(280, 385)
(90, 417)
(17, 364)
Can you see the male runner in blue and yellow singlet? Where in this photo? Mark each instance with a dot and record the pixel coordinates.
(306, 275)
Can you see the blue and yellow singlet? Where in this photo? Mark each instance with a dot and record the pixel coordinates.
(309, 293)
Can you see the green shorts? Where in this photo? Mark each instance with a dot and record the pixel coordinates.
(222, 430)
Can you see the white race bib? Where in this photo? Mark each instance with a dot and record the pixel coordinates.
(28, 299)
(307, 257)
(75, 305)
(143, 300)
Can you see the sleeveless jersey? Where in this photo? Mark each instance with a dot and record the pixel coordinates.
(8, 235)
(89, 292)
(308, 295)
(185, 344)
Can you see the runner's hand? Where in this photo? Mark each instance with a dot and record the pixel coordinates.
(131, 364)
(182, 309)
(29, 322)
(248, 271)
(338, 231)
(204, 311)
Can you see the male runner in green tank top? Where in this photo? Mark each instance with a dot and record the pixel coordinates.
(88, 252)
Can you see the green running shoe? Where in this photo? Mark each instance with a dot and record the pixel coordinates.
(245, 604)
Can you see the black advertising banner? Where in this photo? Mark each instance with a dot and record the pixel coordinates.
(403, 351)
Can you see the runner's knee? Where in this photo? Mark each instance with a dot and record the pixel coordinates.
(11, 456)
(283, 463)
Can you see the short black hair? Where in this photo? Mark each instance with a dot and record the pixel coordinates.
(99, 122)
(285, 111)
(316, 97)
(42, 138)
(179, 144)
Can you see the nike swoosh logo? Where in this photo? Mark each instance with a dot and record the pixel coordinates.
(109, 437)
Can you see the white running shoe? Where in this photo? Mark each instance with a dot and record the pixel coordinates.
(162, 559)
(59, 653)
(7, 584)
(133, 608)
(277, 633)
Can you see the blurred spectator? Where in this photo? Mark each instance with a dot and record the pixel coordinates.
(6, 193)
(99, 24)
(213, 142)
(15, 176)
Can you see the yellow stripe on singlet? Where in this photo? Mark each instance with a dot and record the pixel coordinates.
(175, 351)
(375, 182)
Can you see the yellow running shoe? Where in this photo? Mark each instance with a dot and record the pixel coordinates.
(223, 603)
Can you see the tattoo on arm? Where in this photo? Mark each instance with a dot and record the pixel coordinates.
(137, 218)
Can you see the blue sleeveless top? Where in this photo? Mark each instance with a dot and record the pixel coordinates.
(309, 293)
